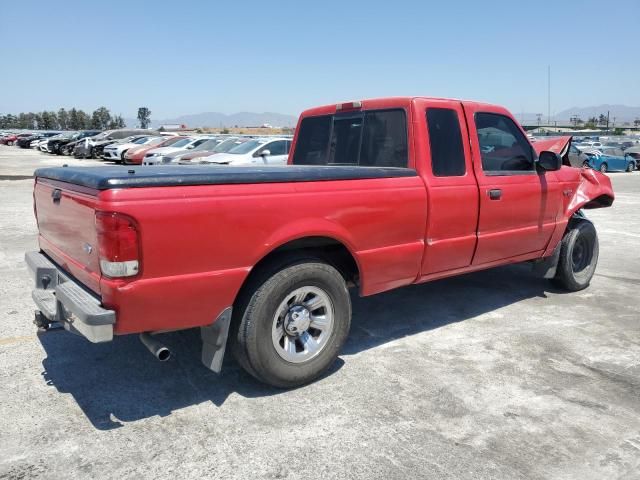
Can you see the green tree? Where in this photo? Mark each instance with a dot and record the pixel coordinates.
(8, 121)
(144, 117)
(117, 122)
(101, 118)
(49, 120)
(602, 119)
(74, 121)
(63, 119)
(84, 120)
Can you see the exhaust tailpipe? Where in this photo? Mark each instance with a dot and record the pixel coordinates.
(157, 348)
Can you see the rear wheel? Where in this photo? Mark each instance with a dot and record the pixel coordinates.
(9, 143)
(291, 322)
(585, 164)
(631, 167)
(578, 256)
(603, 168)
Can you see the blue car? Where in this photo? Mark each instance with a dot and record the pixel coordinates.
(610, 160)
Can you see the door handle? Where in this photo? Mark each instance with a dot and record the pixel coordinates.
(495, 194)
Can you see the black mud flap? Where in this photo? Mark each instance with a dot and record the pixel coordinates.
(214, 341)
(546, 267)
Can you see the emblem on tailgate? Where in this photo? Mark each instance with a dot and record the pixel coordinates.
(87, 248)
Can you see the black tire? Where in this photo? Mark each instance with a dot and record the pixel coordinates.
(631, 167)
(9, 143)
(585, 164)
(253, 319)
(603, 168)
(122, 160)
(578, 256)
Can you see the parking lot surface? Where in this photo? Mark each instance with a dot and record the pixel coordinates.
(489, 375)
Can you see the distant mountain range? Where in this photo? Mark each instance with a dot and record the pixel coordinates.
(217, 119)
(621, 113)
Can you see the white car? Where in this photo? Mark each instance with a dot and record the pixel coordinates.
(259, 151)
(43, 145)
(156, 155)
(116, 151)
(585, 146)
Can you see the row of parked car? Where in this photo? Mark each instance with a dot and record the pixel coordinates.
(149, 147)
(606, 156)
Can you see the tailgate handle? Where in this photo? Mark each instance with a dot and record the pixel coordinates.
(56, 194)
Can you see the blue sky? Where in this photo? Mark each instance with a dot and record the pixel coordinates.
(185, 57)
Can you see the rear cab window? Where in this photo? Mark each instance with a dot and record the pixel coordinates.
(373, 138)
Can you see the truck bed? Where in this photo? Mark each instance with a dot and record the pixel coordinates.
(105, 178)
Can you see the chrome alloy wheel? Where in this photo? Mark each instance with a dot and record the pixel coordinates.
(302, 324)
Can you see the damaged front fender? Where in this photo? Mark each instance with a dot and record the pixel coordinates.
(593, 191)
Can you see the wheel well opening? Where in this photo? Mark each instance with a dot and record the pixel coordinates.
(328, 249)
(600, 202)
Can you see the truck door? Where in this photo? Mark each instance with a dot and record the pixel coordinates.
(444, 162)
(518, 205)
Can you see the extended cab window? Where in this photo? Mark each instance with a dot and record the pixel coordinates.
(376, 138)
(445, 140)
(503, 147)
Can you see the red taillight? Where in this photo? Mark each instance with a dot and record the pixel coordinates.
(118, 244)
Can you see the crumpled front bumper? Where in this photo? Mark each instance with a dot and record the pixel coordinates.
(62, 299)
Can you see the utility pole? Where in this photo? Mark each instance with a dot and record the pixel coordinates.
(549, 93)
(607, 120)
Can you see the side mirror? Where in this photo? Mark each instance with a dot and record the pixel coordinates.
(549, 161)
(265, 153)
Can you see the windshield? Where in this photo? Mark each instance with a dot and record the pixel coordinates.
(228, 144)
(246, 147)
(181, 143)
(141, 140)
(155, 140)
(168, 141)
(207, 145)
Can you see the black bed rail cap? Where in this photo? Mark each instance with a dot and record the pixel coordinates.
(105, 178)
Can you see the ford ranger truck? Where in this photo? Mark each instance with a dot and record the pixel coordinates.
(377, 194)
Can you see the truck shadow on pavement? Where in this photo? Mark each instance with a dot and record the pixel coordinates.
(121, 382)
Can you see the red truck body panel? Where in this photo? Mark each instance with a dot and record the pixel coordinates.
(199, 243)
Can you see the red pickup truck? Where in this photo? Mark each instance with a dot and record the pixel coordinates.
(377, 194)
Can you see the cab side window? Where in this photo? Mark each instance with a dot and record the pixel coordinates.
(445, 141)
(503, 147)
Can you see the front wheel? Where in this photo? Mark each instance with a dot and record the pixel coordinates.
(291, 324)
(631, 167)
(578, 256)
(603, 168)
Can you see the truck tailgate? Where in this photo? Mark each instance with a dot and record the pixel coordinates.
(67, 231)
